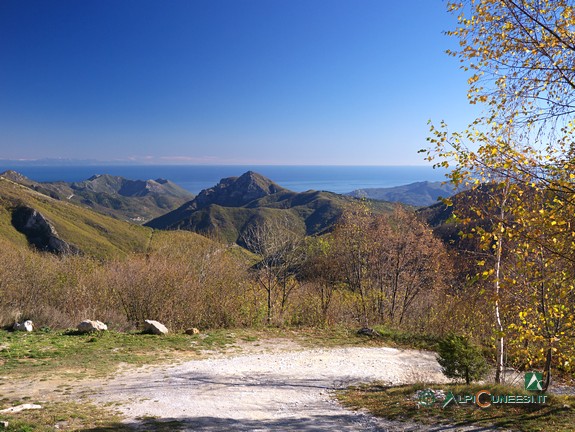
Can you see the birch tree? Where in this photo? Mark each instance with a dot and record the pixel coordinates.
(521, 58)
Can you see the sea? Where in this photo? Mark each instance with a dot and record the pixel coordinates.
(194, 178)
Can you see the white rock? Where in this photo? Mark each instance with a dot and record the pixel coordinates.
(27, 326)
(88, 326)
(155, 327)
(19, 408)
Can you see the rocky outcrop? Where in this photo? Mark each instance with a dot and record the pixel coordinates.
(366, 331)
(16, 177)
(237, 191)
(26, 326)
(155, 327)
(89, 326)
(39, 231)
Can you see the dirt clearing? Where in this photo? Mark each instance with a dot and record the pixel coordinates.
(290, 390)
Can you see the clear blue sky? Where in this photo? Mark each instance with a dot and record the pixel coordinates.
(226, 81)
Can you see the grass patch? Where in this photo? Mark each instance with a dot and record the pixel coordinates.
(339, 336)
(400, 403)
(312, 337)
(63, 416)
(92, 355)
(403, 339)
(74, 416)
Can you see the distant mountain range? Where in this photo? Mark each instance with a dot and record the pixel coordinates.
(418, 194)
(225, 211)
(229, 208)
(132, 200)
(53, 216)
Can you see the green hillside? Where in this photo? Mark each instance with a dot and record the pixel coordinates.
(92, 233)
(135, 201)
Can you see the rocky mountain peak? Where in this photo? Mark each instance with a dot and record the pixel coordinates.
(237, 191)
(15, 176)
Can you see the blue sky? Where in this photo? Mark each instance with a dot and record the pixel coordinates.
(226, 81)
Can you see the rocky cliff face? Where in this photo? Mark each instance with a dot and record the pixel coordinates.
(39, 231)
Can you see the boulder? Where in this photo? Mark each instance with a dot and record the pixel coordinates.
(192, 331)
(88, 326)
(19, 408)
(155, 327)
(26, 326)
(365, 331)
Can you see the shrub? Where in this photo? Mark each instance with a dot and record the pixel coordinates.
(459, 358)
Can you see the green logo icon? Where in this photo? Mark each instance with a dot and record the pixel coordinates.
(449, 398)
(533, 381)
(426, 398)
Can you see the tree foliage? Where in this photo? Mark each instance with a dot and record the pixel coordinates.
(521, 59)
(459, 358)
(391, 261)
(521, 54)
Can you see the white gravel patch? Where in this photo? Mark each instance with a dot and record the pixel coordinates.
(269, 391)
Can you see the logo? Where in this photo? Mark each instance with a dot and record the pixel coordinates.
(484, 399)
(449, 398)
(426, 398)
(533, 381)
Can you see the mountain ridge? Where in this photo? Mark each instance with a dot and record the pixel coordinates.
(231, 207)
(136, 201)
(418, 194)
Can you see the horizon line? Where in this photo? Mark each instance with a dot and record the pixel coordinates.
(90, 162)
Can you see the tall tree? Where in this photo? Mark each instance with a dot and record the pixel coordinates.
(279, 248)
(407, 264)
(322, 270)
(521, 54)
(353, 245)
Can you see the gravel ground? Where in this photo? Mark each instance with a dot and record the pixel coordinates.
(288, 391)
